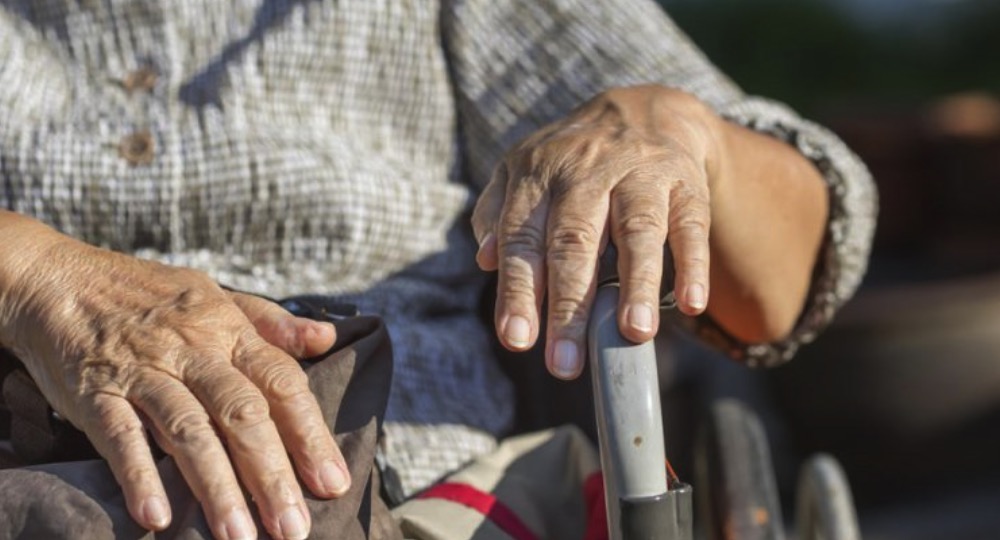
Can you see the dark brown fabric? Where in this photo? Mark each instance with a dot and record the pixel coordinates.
(81, 499)
(7, 364)
(37, 436)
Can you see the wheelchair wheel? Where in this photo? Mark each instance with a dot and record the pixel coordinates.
(824, 506)
(735, 483)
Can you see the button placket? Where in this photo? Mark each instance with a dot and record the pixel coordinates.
(141, 80)
(139, 147)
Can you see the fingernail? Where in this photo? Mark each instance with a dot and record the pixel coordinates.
(322, 328)
(293, 524)
(486, 239)
(518, 331)
(239, 526)
(640, 317)
(334, 479)
(156, 512)
(486, 255)
(696, 296)
(565, 359)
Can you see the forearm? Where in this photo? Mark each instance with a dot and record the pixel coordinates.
(769, 211)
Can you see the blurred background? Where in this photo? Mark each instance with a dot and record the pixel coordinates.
(912, 85)
(904, 389)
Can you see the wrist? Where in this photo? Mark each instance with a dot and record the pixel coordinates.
(708, 136)
(24, 243)
(718, 149)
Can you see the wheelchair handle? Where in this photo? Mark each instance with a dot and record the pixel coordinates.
(640, 500)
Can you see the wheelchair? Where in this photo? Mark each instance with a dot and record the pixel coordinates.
(734, 486)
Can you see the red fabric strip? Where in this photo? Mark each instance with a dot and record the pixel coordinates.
(593, 497)
(597, 515)
(486, 504)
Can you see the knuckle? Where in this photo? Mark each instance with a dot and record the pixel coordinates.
(189, 428)
(98, 373)
(124, 434)
(538, 156)
(522, 239)
(560, 156)
(578, 150)
(692, 261)
(136, 475)
(694, 265)
(693, 198)
(518, 283)
(641, 224)
(573, 235)
(569, 313)
(280, 487)
(244, 411)
(284, 382)
(644, 280)
(316, 442)
(693, 227)
(289, 335)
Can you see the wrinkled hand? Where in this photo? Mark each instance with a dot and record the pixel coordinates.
(634, 164)
(119, 346)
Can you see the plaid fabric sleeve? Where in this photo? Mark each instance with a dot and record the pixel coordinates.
(520, 64)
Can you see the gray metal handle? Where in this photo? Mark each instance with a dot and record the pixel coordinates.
(629, 420)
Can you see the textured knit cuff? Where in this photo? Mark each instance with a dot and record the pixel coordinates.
(843, 258)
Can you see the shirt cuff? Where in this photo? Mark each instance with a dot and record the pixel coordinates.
(843, 259)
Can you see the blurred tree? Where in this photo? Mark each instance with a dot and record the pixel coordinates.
(811, 54)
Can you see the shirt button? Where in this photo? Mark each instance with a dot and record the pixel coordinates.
(137, 148)
(143, 79)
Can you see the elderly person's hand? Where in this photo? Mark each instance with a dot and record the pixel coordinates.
(119, 345)
(645, 167)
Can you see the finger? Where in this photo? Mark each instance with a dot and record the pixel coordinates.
(485, 216)
(120, 437)
(688, 228)
(577, 219)
(487, 257)
(297, 336)
(298, 417)
(639, 229)
(243, 418)
(605, 237)
(184, 430)
(521, 268)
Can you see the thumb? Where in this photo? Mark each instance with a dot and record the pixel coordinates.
(297, 336)
(485, 217)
